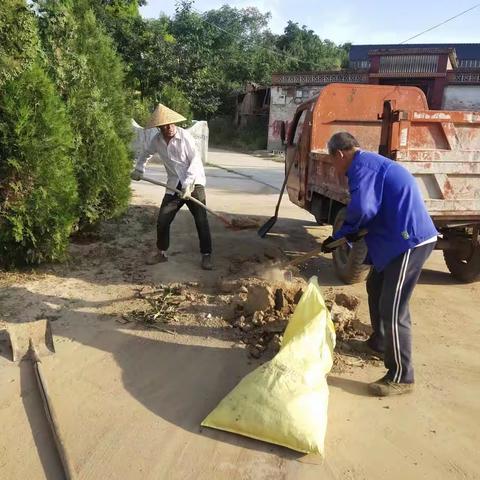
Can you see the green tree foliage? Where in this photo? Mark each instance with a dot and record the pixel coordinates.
(89, 75)
(38, 192)
(107, 63)
(196, 74)
(176, 100)
(240, 43)
(210, 56)
(38, 195)
(304, 50)
(19, 46)
(159, 61)
(122, 21)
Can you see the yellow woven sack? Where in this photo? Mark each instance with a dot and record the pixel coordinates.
(285, 401)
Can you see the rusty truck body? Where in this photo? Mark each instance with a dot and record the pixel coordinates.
(440, 148)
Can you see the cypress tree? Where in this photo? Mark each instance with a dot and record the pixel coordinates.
(19, 45)
(89, 75)
(38, 196)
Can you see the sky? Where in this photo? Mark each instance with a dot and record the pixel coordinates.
(358, 21)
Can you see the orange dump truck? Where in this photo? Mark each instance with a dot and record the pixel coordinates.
(440, 148)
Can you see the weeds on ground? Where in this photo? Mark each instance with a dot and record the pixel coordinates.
(162, 307)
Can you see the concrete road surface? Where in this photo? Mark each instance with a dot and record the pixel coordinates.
(130, 400)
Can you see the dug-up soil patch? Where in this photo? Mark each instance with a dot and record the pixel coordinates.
(249, 311)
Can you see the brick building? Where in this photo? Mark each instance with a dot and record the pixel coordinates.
(449, 75)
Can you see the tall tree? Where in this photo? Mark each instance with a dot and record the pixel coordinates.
(19, 45)
(209, 56)
(38, 193)
(196, 72)
(122, 21)
(89, 75)
(159, 62)
(305, 50)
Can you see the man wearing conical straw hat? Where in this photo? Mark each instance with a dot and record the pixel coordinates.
(185, 172)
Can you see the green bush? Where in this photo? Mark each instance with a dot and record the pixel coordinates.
(141, 109)
(38, 196)
(18, 39)
(89, 75)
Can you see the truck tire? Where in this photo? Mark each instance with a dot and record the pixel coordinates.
(348, 262)
(464, 266)
(316, 210)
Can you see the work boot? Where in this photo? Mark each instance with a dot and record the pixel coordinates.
(158, 257)
(385, 387)
(207, 262)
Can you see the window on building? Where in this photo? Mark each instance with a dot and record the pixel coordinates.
(360, 64)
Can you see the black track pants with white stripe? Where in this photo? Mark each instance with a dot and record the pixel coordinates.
(389, 293)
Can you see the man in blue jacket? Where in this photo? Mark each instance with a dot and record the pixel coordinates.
(385, 199)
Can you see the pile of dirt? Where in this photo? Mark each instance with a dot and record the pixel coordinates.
(254, 264)
(251, 311)
(262, 310)
(344, 312)
(242, 222)
(264, 307)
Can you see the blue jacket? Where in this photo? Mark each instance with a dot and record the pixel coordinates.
(385, 199)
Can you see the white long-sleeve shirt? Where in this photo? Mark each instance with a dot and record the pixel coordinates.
(181, 159)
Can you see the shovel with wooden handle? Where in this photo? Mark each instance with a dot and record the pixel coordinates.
(316, 251)
(32, 340)
(235, 223)
(267, 226)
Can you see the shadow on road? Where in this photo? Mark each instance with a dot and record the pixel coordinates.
(436, 277)
(180, 383)
(41, 432)
(350, 386)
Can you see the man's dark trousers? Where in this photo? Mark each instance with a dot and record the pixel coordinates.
(389, 293)
(171, 204)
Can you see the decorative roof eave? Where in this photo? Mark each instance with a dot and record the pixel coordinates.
(464, 77)
(408, 75)
(319, 78)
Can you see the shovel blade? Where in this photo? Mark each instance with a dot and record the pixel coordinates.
(266, 227)
(38, 333)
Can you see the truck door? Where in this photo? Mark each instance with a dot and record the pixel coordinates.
(298, 144)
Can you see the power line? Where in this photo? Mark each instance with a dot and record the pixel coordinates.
(442, 23)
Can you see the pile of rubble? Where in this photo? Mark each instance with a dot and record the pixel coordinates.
(255, 310)
(344, 312)
(262, 310)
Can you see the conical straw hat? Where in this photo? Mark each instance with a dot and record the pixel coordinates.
(163, 116)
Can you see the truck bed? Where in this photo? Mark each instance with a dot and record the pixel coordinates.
(440, 148)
